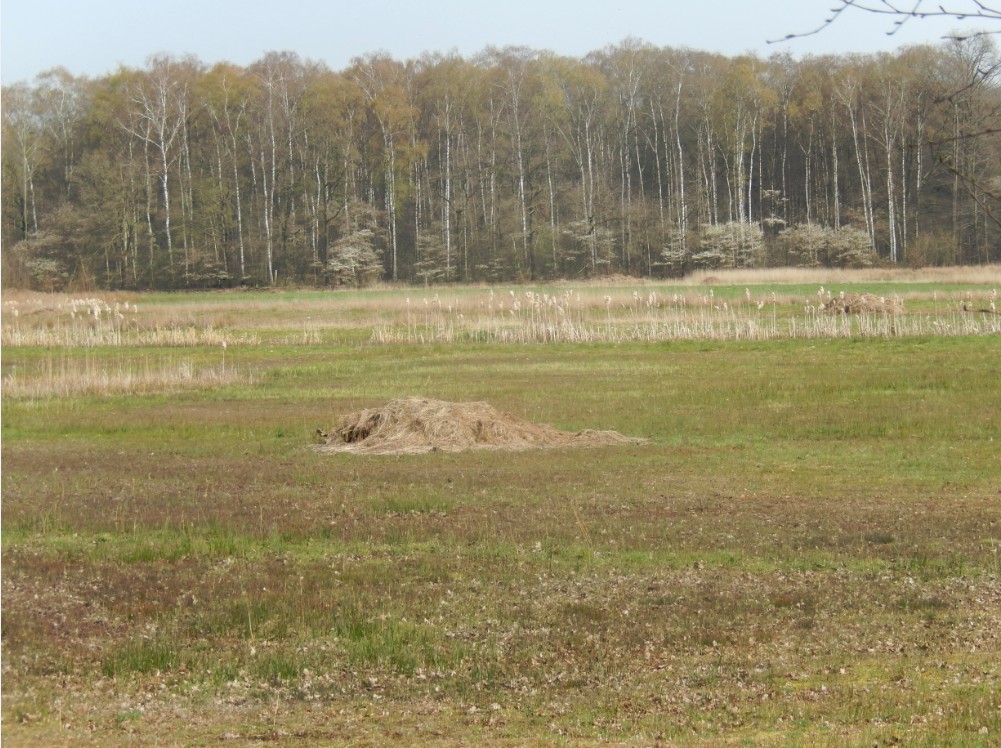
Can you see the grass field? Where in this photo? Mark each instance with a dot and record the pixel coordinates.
(806, 551)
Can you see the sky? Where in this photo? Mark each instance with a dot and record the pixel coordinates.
(95, 37)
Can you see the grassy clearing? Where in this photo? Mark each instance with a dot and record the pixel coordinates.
(807, 550)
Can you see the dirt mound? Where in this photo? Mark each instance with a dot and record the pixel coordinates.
(863, 303)
(414, 425)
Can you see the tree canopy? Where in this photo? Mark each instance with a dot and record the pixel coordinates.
(513, 165)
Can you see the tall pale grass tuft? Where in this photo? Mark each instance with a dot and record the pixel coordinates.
(571, 317)
(93, 322)
(309, 335)
(63, 377)
(975, 274)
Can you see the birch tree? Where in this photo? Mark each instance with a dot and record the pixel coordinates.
(512, 165)
(849, 93)
(23, 138)
(382, 81)
(160, 108)
(512, 81)
(584, 90)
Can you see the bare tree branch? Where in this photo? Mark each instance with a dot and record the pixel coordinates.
(904, 11)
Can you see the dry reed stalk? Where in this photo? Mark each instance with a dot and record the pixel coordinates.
(973, 274)
(573, 317)
(73, 377)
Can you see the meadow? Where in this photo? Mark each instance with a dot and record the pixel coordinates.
(806, 550)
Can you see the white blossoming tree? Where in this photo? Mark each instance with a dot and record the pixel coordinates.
(354, 259)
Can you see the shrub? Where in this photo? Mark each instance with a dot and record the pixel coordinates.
(812, 245)
(851, 248)
(729, 245)
(355, 260)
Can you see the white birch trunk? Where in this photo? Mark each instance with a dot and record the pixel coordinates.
(682, 205)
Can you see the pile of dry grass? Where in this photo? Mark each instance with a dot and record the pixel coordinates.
(415, 425)
(863, 303)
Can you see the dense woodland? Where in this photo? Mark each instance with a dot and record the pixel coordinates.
(513, 165)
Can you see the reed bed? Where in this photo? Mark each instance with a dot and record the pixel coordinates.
(96, 322)
(66, 377)
(573, 317)
(585, 314)
(960, 274)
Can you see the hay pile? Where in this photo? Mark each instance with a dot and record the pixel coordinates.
(415, 425)
(863, 303)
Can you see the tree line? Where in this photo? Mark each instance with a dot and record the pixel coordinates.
(513, 165)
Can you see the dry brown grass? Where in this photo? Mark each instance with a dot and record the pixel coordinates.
(863, 303)
(736, 304)
(413, 425)
(626, 314)
(60, 321)
(65, 377)
(977, 274)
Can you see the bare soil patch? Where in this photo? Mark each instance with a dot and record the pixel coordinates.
(415, 425)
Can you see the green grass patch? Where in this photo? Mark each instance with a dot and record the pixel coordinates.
(805, 550)
(140, 657)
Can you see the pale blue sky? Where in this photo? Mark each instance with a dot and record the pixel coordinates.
(94, 37)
